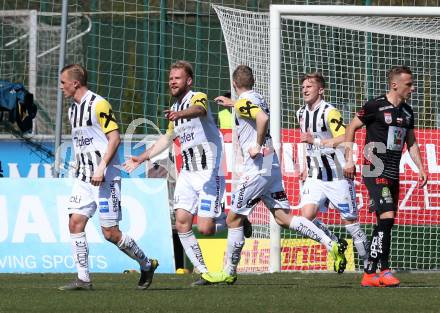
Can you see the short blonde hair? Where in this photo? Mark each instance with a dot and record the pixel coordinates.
(76, 72)
(243, 77)
(186, 66)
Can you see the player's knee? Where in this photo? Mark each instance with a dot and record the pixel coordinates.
(76, 226)
(282, 221)
(282, 217)
(111, 234)
(183, 227)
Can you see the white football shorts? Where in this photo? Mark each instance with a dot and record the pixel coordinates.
(340, 193)
(86, 198)
(255, 187)
(200, 192)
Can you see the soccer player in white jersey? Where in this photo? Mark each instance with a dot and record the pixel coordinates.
(262, 178)
(95, 137)
(199, 188)
(322, 129)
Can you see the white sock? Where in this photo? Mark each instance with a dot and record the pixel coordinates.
(130, 248)
(310, 230)
(360, 241)
(325, 229)
(80, 250)
(193, 251)
(233, 252)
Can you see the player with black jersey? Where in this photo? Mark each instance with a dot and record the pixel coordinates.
(389, 122)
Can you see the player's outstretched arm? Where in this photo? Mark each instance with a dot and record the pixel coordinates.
(350, 167)
(160, 145)
(414, 152)
(192, 112)
(225, 101)
(114, 140)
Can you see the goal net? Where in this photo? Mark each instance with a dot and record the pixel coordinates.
(354, 54)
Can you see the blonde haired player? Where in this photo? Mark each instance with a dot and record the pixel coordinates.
(95, 137)
(200, 186)
(322, 130)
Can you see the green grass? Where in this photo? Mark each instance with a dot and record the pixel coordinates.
(286, 292)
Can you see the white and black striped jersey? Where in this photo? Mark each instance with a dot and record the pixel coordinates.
(324, 122)
(200, 139)
(247, 106)
(91, 119)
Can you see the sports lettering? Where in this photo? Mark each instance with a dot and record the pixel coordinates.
(82, 141)
(186, 137)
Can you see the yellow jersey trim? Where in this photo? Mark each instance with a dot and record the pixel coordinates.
(105, 116)
(246, 109)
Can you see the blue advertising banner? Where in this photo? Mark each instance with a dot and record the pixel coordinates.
(34, 235)
(35, 160)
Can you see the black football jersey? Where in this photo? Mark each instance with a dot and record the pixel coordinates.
(387, 128)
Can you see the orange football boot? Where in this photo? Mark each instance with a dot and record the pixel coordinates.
(387, 279)
(370, 280)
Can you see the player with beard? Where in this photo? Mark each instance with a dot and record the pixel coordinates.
(199, 187)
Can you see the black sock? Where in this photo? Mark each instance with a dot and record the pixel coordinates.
(385, 225)
(373, 256)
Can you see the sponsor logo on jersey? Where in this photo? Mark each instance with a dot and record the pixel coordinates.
(186, 137)
(103, 206)
(82, 141)
(399, 121)
(75, 199)
(388, 117)
(205, 205)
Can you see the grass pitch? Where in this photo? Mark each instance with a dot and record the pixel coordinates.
(281, 292)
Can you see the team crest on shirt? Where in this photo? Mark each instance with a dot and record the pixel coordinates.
(388, 117)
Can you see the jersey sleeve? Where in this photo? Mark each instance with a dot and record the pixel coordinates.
(367, 113)
(170, 129)
(335, 123)
(200, 98)
(246, 109)
(105, 116)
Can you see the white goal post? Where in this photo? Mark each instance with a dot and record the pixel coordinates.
(354, 47)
